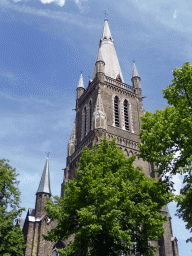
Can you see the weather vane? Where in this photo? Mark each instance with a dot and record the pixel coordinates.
(105, 12)
(133, 61)
(81, 71)
(47, 153)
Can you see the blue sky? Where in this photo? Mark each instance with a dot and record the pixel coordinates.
(43, 47)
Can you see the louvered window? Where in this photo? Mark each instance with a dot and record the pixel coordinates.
(116, 109)
(90, 115)
(85, 115)
(126, 116)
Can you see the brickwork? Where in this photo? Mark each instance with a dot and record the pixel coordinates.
(41, 199)
(127, 140)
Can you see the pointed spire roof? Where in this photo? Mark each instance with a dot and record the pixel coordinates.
(135, 73)
(108, 53)
(44, 185)
(81, 84)
(106, 34)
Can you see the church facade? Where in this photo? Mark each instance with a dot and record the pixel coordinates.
(107, 107)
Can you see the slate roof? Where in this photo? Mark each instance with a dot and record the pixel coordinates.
(44, 185)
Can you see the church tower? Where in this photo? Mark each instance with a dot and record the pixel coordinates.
(37, 223)
(110, 107)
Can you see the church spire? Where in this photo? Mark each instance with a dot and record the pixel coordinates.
(106, 34)
(109, 56)
(44, 185)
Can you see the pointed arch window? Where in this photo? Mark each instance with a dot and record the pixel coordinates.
(126, 115)
(90, 116)
(85, 119)
(116, 110)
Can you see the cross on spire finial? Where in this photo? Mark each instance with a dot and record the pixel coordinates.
(105, 13)
(81, 71)
(133, 61)
(47, 153)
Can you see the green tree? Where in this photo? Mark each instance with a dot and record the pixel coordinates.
(11, 236)
(166, 138)
(109, 206)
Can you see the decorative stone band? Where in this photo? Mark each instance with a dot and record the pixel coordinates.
(79, 150)
(123, 142)
(119, 140)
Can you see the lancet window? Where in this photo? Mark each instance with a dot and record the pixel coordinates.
(90, 116)
(116, 111)
(85, 120)
(126, 115)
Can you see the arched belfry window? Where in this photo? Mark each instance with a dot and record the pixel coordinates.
(90, 116)
(116, 110)
(85, 124)
(126, 115)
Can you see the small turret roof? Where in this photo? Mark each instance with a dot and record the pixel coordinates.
(135, 72)
(99, 56)
(44, 185)
(80, 84)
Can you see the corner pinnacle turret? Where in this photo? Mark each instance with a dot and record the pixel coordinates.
(80, 84)
(135, 72)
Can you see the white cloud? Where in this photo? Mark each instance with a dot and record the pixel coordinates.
(74, 19)
(175, 14)
(61, 3)
(57, 2)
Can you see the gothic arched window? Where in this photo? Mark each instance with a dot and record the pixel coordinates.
(116, 110)
(126, 115)
(85, 119)
(90, 116)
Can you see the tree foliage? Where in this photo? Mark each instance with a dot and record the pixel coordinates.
(109, 206)
(11, 236)
(166, 138)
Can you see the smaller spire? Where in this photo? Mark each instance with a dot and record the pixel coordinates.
(135, 73)
(81, 84)
(44, 185)
(99, 56)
